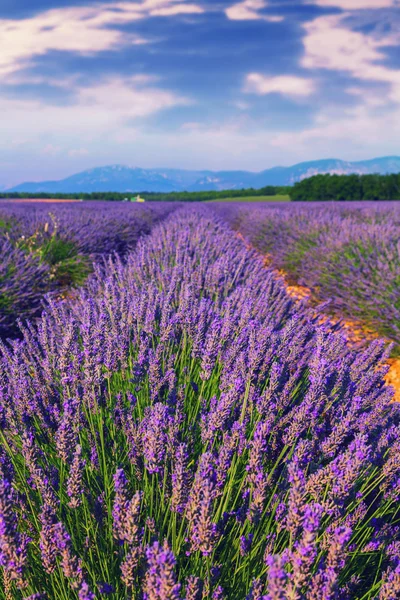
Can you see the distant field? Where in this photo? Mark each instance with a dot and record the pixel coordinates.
(277, 198)
(40, 200)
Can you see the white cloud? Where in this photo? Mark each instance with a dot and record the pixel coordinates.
(350, 135)
(18, 141)
(97, 110)
(356, 4)
(368, 97)
(120, 99)
(85, 30)
(356, 127)
(192, 126)
(330, 44)
(178, 9)
(289, 85)
(78, 152)
(248, 10)
(51, 150)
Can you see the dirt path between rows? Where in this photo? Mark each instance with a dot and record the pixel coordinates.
(357, 332)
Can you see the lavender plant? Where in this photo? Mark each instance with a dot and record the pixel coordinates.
(48, 248)
(347, 255)
(184, 430)
(23, 281)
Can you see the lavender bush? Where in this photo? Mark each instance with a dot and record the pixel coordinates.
(183, 430)
(51, 248)
(347, 254)
(23, 281)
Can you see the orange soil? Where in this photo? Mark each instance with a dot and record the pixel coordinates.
(356, 331)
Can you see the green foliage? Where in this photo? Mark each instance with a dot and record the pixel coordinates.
(56, 250)
(71, 271)
(67, 266)
(268, 190)
(5, 302)
(347, 187)
(301, 247)
(274, 198)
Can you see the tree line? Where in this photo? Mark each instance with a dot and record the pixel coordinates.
(269, 190)
(347, 187)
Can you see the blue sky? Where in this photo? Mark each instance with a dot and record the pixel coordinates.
(195, 84)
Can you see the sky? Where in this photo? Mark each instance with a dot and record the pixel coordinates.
(204, 84)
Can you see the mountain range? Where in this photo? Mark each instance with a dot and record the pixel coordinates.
(121, 178)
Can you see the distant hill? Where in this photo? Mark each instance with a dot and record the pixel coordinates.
(120, 178)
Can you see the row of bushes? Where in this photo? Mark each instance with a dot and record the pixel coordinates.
(51, 250)
(347, 187)
(184, 431)
(268, 190)
(348, 254)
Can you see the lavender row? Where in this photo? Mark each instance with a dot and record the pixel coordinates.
(183, 430)
(347, 255)
(51, 247)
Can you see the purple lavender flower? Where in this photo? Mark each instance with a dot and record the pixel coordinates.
(154, 428)
(85, 593)
(66, 435)
(277, 576)
(70, 564)
(160, 581)
(180, 480)
(211, 348)
(256, 590)
(218, 593)
(129, 566)
(305, 551)
(324, 583)
(48, 541)
(105, 588)
(292, 439)
(194, 588)
(13, 545)
(75, 487)
(199, 510)
(258, 496)
(245, 543)
(296, 496)
(126, 512)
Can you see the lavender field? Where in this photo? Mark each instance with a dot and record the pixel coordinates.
(347, 253)
(175, 426)
(51, 248)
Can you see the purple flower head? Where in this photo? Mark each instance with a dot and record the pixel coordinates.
(129, 566)
(277, 576)
(105, 588)
(153, 428)
(85, 593)
(13, 545)
(245, 543)
(194, 588)
(66, 434)
(181, 477)
(75, 488)
(199, 510)
(71, 565)
(126, 512)
(160, 580)
(48, 540)
(218, 593)
(256, 590)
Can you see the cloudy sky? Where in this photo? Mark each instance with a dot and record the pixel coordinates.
(195, 84)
